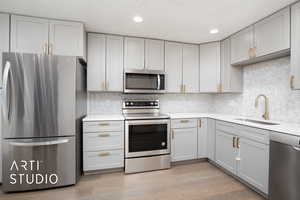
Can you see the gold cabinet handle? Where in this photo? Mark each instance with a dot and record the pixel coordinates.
(184, 121)
(219, 87)
(249, 52)
(103, 85)
(200, 123)
(233, 142)
(104, 135)
(103, 124)
(172, 134)
(104, 154)
(292, 78)
(238, 142)
(45, 47)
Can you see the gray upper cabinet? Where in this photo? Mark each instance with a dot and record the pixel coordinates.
(190, 66)
(29, 34)
(66, 38)
(105, 61)
(4, 38)
(295, 47)
(134, 53)
(272, 34)
(266, 39)
(96, 62)
(210, 67)
(231, 76)
(173, 66)
(154, 54)
(241, 45)
(38, 35)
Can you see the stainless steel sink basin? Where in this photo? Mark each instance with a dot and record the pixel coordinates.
(257, 121)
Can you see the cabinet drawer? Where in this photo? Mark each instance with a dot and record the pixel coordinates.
(103, 159)
(184, 123)
(226, 127)
(103, 140)
(103, 126)
(255, 134)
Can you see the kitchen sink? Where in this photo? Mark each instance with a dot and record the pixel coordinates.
(257, 121)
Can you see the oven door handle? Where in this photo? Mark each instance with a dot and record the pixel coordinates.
(158, 81)
(147, 122)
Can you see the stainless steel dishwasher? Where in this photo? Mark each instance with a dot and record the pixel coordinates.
(284, 177)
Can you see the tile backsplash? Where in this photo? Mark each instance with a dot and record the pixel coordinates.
(103, 103)
(270, 78)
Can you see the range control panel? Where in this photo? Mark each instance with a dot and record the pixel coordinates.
(141, 104)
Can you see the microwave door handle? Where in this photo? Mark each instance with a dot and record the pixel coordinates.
(6, 73)
(34, 144)
(158, 81)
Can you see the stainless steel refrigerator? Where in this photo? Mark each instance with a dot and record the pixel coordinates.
(44, 100)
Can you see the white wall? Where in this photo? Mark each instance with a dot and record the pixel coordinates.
(101, 103)
(270, 78)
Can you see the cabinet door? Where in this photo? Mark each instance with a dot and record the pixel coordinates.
(202, 138)
(253, 166)
(173, 59)
(241, 43)
(66, 38)
(211, 139)
(96, 62)
(114, 63)
(273, 33)
(210, 67)
(184, 144)
(225, 152)
(29, 34)
(4, 41)
(134, 53)
(295, 47)
(231, 76)
(190, 68)
(155, 55)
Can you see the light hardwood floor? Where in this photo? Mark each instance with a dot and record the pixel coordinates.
(198, 181)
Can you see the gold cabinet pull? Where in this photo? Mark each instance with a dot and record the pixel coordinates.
(200, 123)
(292, 78)
(233, 142)
(172, 134)
(45, 48)
(238, 142)
(249, 52)
(104, 154)
(104, 135)
(219, 87)
(103, 124)
(184, 121)
(103, 85)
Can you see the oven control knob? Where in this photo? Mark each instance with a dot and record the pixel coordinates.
(163, 144)
(131, 103)
(127, 103)
(152, 103)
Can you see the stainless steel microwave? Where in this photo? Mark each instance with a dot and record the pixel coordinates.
(144, 81)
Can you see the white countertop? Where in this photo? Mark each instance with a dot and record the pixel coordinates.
(104, 117)
(283, 127)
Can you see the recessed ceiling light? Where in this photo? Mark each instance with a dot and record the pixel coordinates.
(214, 31)
(137, 19)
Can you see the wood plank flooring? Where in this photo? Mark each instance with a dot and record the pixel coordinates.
(198, 181)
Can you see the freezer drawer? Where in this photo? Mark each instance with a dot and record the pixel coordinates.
(31, 164)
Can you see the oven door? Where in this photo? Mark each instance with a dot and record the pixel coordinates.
(147, 137)
(144, 82)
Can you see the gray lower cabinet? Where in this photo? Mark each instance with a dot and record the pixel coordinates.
(211, 139)
(103, 145)
(244, 151)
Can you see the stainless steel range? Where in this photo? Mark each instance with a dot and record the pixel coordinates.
(147, 136)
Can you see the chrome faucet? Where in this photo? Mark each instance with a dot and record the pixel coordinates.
(266, 115)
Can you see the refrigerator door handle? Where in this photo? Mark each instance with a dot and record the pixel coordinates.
(5, 94)
(33, 144)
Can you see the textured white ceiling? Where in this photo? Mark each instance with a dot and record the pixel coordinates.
(179, 20)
